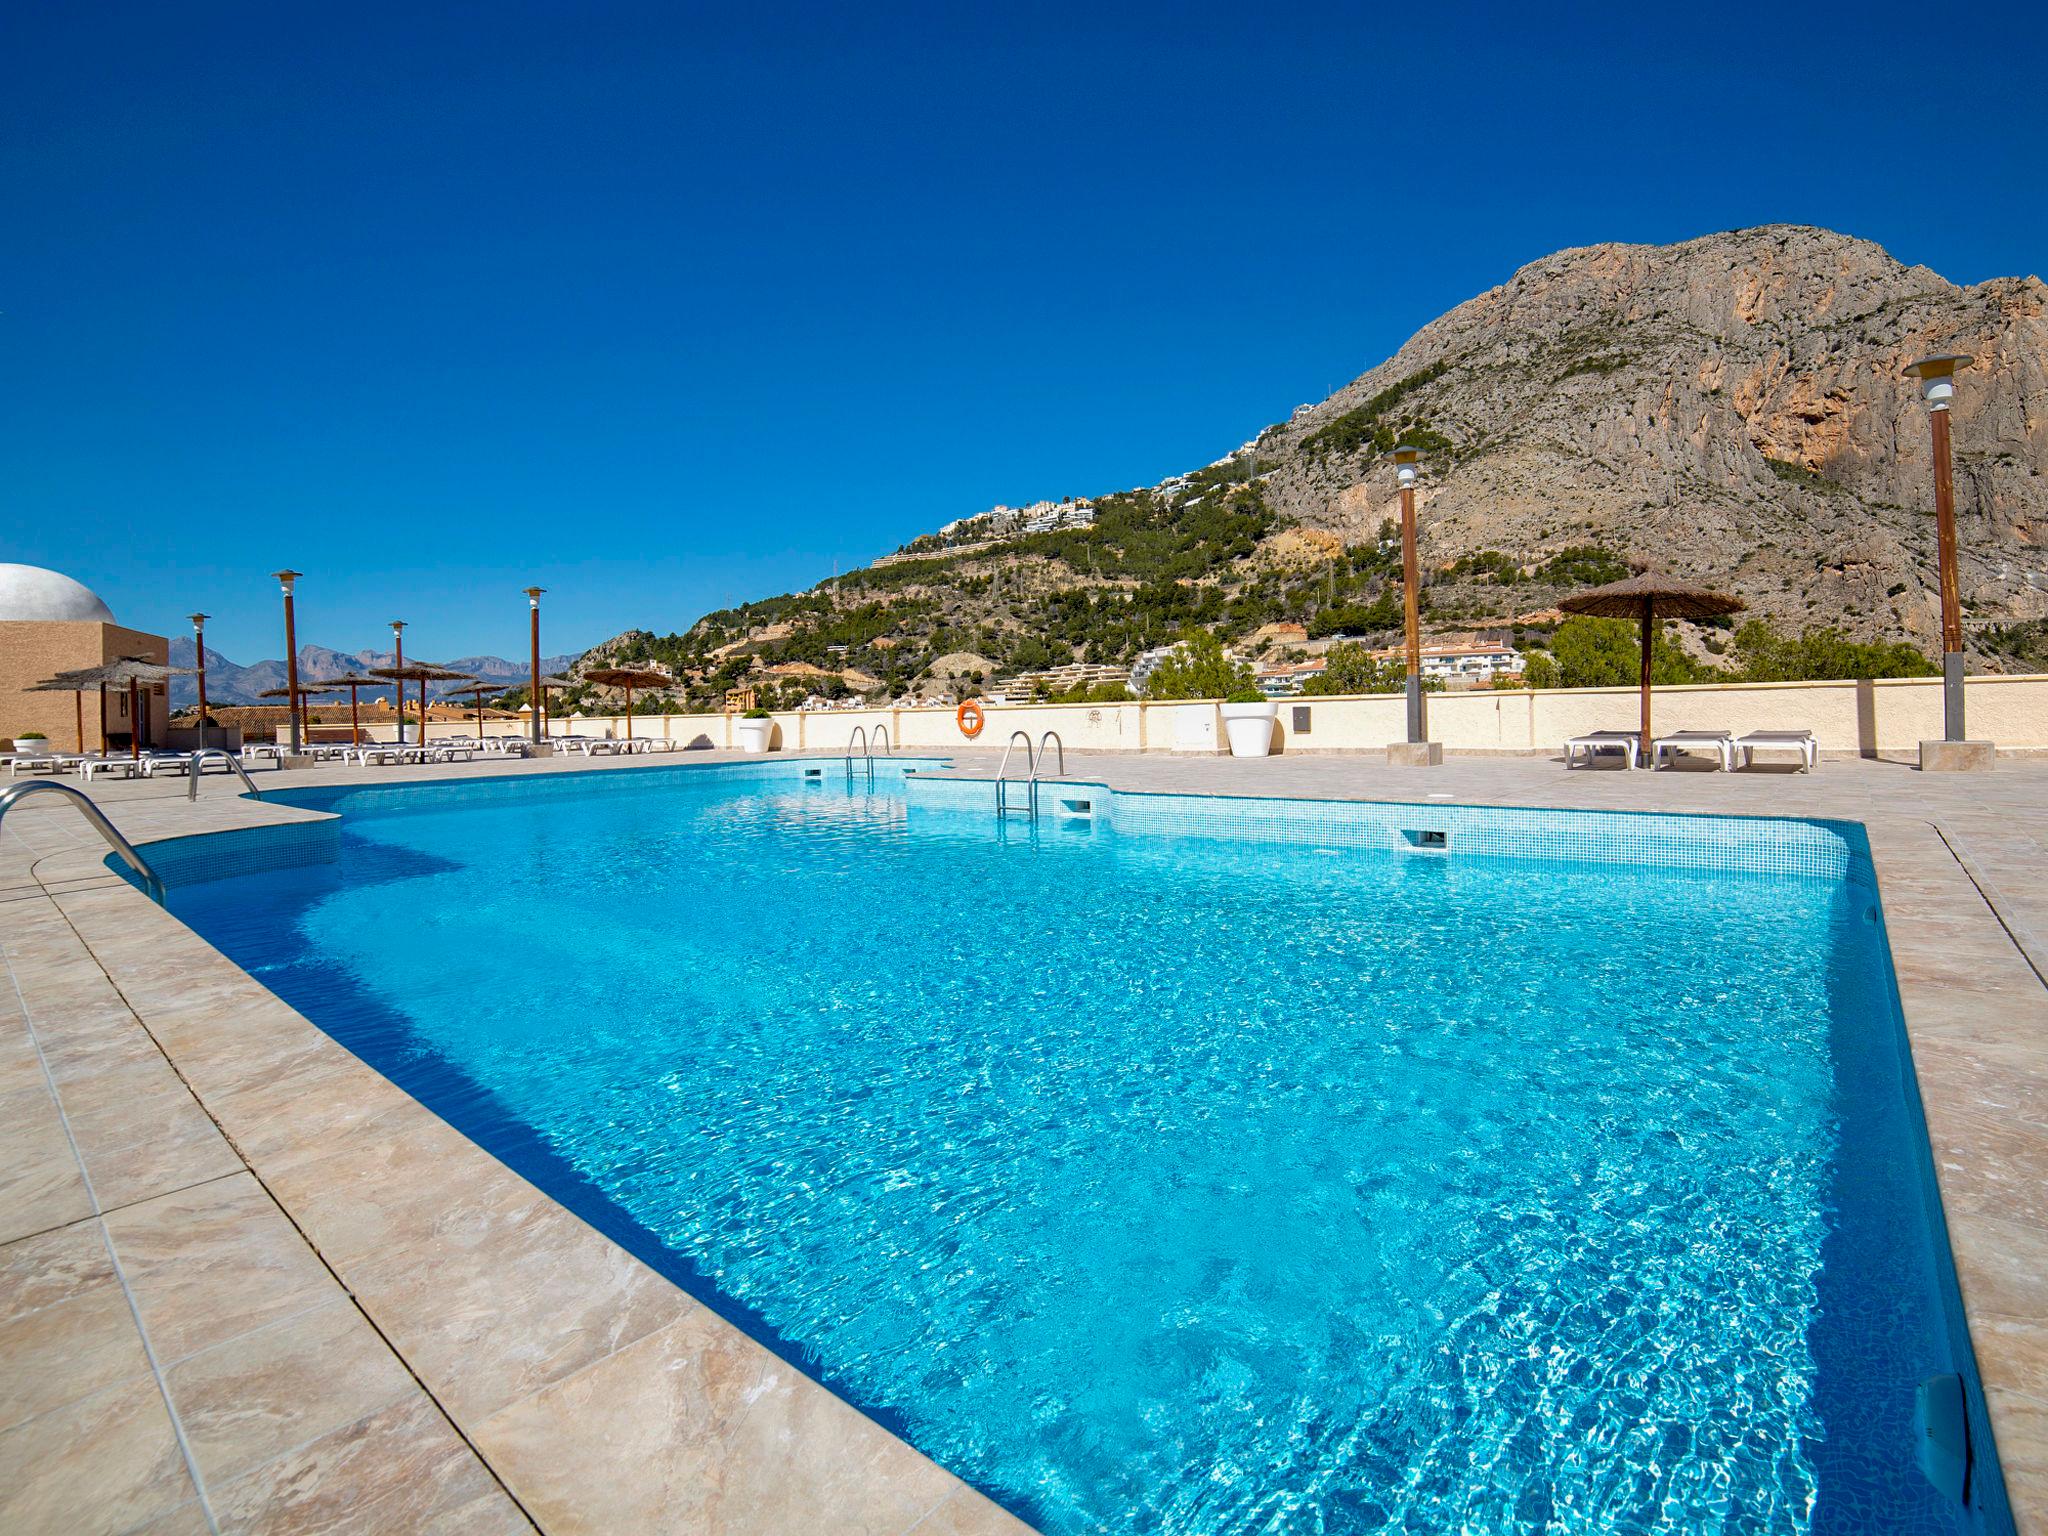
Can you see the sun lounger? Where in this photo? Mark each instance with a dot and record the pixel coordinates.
(112, 767)
(34, 762)
(1801, 742)
(1720, 743)
(154, 763)
(1627, 743)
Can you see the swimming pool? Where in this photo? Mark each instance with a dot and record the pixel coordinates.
(1190, 1165)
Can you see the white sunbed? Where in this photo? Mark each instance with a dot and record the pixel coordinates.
(1627, 743)
(1720, 743)
(112, 767)
(34, 762)
(154, 763)
(1801, 742)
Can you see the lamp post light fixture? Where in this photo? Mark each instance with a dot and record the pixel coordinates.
(1937, 375)
(533, 701)
(1418, 750)
(291, 657)
(398, 684)
(199, 664)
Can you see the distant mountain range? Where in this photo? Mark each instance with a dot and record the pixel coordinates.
(229, 683)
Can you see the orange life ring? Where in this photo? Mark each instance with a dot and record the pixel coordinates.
(968, 718)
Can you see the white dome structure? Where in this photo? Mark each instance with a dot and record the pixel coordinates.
(28, 592)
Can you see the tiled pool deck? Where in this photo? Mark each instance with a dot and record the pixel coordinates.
(247, 1285)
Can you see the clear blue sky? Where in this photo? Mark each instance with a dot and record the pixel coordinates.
(666, 308)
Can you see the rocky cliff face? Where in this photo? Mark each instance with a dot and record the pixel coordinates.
(1733, 407)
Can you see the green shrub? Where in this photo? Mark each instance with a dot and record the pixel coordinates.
(1762, 655)
(1352, 668)
(1199, 668)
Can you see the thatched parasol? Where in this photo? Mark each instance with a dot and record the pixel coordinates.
(1647, 599)
(129, 672)
(351, 681)
(476, 688)
(629, 678)
(422, 673)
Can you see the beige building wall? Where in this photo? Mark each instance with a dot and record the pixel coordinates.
(1889, 718)
(31, 650)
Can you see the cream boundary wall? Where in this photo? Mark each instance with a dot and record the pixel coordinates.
(1868, 718)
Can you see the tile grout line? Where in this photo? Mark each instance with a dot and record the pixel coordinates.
(304, 1236)
(2022, 936)
(113, 1257)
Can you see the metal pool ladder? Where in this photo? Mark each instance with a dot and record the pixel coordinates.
(1033, 761)
(199, 761)
(12, 795)
(860, 734)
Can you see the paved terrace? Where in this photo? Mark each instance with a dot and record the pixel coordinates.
(246, 1285)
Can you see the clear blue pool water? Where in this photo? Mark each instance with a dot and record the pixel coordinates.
(1188, 1186)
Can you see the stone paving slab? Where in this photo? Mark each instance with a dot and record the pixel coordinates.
(552, 1378)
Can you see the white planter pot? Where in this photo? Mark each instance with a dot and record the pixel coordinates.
(754, 735)
(1250, 727)
(409, 734)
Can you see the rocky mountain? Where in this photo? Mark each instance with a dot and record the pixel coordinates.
(1732, 408)
(228, 683)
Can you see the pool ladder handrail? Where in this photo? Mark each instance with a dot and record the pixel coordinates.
(1030, 779)
(12, 795)
(860, 734)
(199, 761)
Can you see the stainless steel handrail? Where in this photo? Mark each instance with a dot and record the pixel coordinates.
(1003, 781)
(882, 739)
(1054, 738)
(860, 734)
(10, 796)
(199, 761)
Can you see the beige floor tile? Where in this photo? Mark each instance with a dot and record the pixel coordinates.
(52, 1267)
(187, 1150)
(185, 1520)
(214, 1261)
(261, 1394)
(385, 1185)
(402, 1469)
(41, 1185)
(70, 1349)
(108, 1463)
(489, 1313)
(698, 1428)
(968, 1513)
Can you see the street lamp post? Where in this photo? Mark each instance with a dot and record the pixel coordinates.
(291, 657)
(398, 684)
(1418, 750)
(199, 665)
(533, 627)
(1937, 375)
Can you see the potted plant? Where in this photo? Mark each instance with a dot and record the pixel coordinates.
(408, 729)
(31, 741)
(756, 729)
(1248, 717)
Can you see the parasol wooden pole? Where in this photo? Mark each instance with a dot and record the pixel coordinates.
(78, 701)
(134, 725)
(629, 711)
(355, 727)
(103, 719)
(1649, 629)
